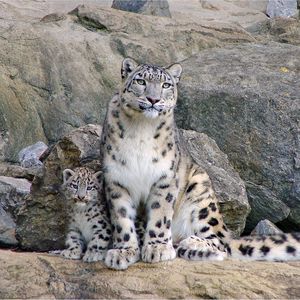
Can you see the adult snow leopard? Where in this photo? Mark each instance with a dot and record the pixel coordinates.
(149, 175)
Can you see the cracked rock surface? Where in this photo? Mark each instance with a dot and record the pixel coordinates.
(59, 69)
(37, 275)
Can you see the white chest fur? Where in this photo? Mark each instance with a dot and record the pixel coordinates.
(82, 223)
(143, 162)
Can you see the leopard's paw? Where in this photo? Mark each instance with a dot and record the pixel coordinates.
(92, 255)
(121, 259)
(158, 252)
(72, 253)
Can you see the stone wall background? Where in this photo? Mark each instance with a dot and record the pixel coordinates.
(239, 107)
(60, 65)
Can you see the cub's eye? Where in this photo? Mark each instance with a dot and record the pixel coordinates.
(89, 188)
(166, 85)
(74, 185)
(141, 81)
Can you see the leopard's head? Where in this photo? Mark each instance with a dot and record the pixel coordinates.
(82, 185)
(148, 89)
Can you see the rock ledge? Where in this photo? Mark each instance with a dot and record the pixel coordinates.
(36, 275)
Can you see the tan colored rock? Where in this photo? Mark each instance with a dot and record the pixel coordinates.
(17, 171)
(36, 275)
(242, 12)
(283, 30)
(59, 71)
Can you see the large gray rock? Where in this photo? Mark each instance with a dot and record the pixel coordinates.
(30, 156)
(146, 7)
(67, 67)
(42, 221)
(7, 229)
(229, 187)
(246, 98)
(265, 227)
(282, 8)
(12, 196)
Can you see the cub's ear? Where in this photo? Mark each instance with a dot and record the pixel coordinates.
(98, 176)
(67, 173)
(128, 66)
(175, 70)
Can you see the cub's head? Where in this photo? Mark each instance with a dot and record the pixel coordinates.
(82, 185)
(149, 90)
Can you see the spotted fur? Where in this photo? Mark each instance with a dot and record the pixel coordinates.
(89, 226)
(150, 176)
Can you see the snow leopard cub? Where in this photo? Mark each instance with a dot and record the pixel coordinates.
(89, 225)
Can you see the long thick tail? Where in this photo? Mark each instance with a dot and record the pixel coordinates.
(277, 247)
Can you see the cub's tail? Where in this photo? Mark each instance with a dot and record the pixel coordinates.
(275, 247)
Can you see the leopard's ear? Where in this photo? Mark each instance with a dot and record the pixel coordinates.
(128, 66)
(175, 70)
(67, 173)
(98, 176)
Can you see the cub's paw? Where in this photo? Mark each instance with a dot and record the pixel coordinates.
(121, 259)
(195, 248)
(71, 253)
(158, 252)
(92, 255)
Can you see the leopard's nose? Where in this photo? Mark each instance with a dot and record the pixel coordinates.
(152, 101)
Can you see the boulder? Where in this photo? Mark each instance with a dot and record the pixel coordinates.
(12, 195)
(282, 8)
(68, 65)
(283, 30)
(7, 229)
(12, 170)
(37, 275)
(42, 221)
(246, 97)
(229, 187)
(265, 227)
(260, 5)
(146, 7)
(242, 12)
(30, 156)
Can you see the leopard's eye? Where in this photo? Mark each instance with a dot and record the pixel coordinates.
(74, 185)
(89, 188)
(141, 81)
(166, 85)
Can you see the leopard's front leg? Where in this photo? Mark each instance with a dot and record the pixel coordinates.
(75, 245)
(98, 245)
(158, 244)
(125, 243)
